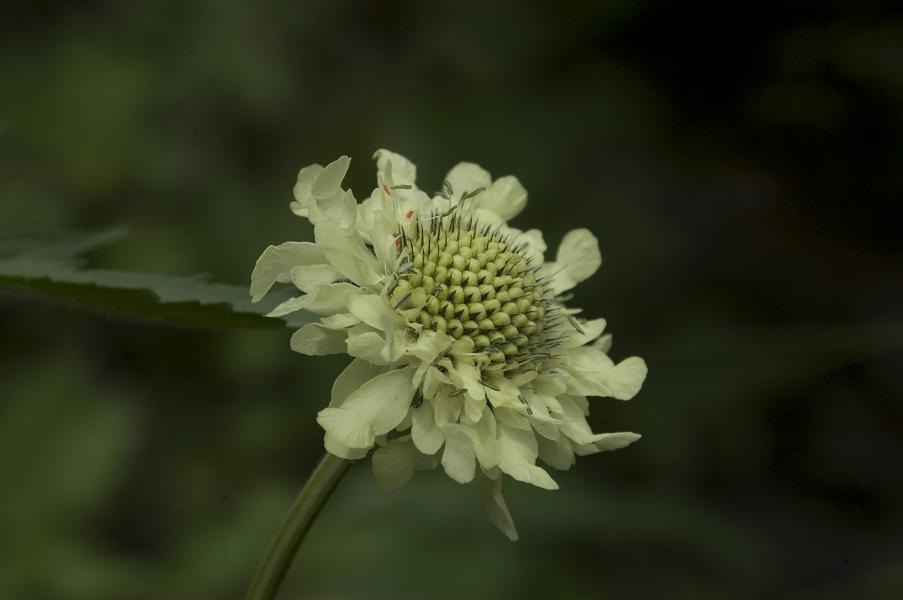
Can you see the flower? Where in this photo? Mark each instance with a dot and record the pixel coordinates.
(464, 351)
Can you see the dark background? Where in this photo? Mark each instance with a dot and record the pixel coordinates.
(742, 167)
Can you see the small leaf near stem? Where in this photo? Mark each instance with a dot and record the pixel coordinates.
(287, 539)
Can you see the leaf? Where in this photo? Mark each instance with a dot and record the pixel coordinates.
(44, 265)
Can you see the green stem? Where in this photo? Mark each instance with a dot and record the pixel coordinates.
(281, 551)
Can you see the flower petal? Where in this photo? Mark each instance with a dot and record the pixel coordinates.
(384, 400)
(427, 436)
(348, 428)
(356, 374)
(302, 189)
(603, 343)
(393, 465)
(315, 340)
(593, 373)
(591, 330)
(340, 321)
(496, 508)
(467, 376)
(375, 312)
(403, 170)
(574, 423)
(627, 378)
(533, 246)
(346, 251)
(341, 450)
(375, 408)
(458, 458)
(328, 180)
(483, 436)
(289, 306)
(467, 177)
(277, 262)
(517, 457)
(556, 453)
(340, 208)
(308, 278)
(367, 346)
(506, 197)
(615, 441)
(330, 298)
(577, 259)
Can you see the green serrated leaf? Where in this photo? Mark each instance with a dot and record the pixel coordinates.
(182, 300)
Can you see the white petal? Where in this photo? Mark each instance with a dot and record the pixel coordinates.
(277, 262)
(593, 373)
(506, 394)
(315, 340)
(340, 321)
(467, 376)
(496, 508)
(368, 346)
(308, 278)
(302, 189)
(356, 374)
(603, 343)
(289, 306)
(447, 409)
(473, 409)
(330, 178)
(375, 312)
(426, 462)
(375, 408)
(348, 428)
(483, 436)
(591, 330)
(627, 378)
(517, 457)
(553, 404)
(512, 418)
(345, 250)
(429, 345)
(534, 246)
(403, 170)
(506, 197)
(544, 424)
(548, 385)
(341, 450)
(579, 253)
(393, 465)
(384, 400)
(556, 453)
(615, 441)
(466, 177)
(574, 423)
(329, 299)
(340, 208)
(577, 259)
(427, 436)
(458, 457)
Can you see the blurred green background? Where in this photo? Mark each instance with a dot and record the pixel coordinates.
(741, 166)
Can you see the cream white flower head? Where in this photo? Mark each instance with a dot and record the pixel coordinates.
(465, 354)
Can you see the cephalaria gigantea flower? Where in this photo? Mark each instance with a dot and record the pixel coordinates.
(465, 354)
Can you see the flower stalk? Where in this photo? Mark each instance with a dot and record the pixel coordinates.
(287, 539)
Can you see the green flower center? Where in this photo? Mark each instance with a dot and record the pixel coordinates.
(464, 280)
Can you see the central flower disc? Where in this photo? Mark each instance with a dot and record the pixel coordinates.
(465, 280)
